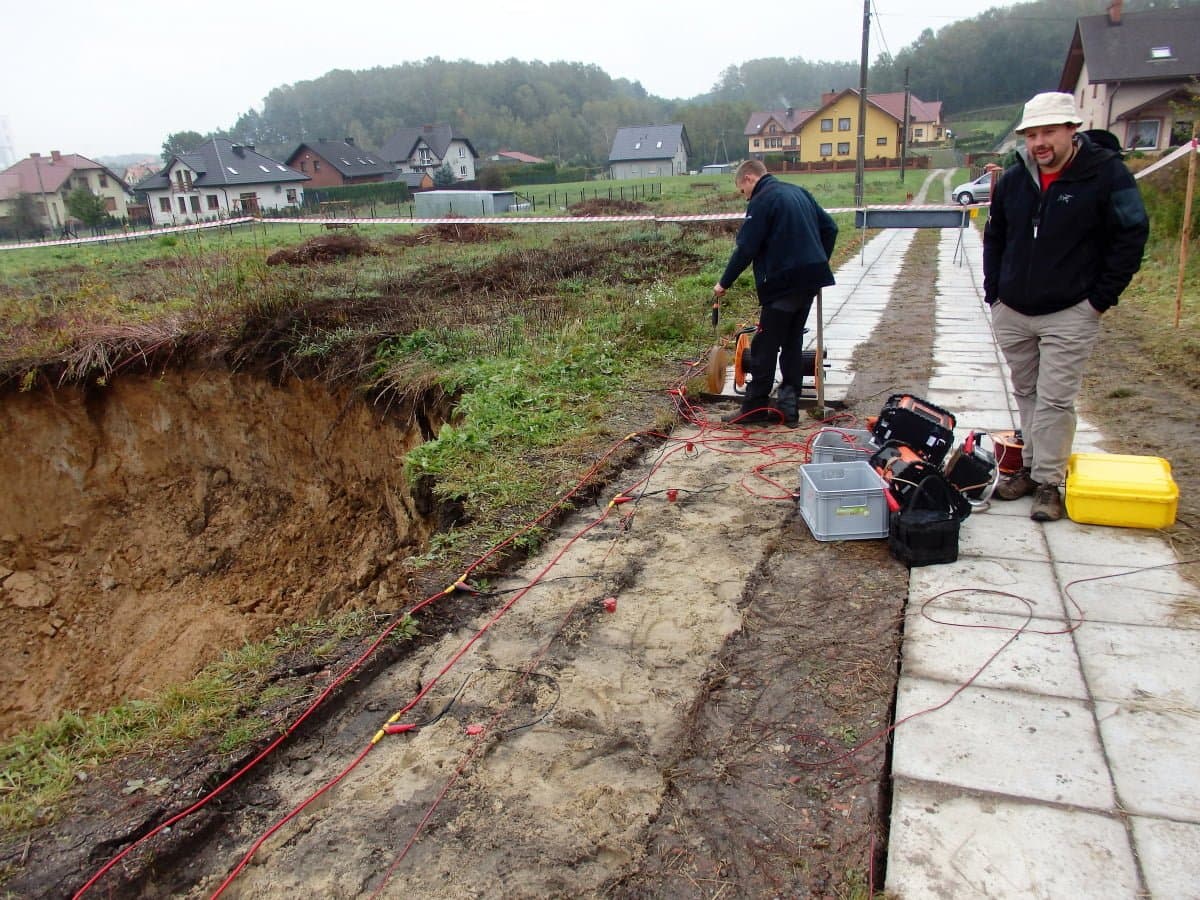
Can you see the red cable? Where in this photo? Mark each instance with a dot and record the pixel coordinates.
(425, 689)
(339, 680)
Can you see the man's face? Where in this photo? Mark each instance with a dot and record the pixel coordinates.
(745, 186)
(1050, 145)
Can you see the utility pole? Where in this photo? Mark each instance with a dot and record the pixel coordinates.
(904, 129)
(862, 107)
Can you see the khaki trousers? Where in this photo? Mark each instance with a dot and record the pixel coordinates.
(1047, 356)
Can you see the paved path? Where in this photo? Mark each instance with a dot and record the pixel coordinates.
(1049, 743)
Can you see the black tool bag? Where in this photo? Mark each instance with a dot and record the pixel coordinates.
(924, 531)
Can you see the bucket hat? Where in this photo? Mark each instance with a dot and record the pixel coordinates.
(1050, 108)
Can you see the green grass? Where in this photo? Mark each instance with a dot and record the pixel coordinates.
(228, 701)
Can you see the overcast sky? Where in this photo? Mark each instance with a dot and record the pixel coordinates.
(110, 78)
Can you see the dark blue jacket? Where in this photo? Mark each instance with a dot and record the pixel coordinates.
(1082, 239)
(788, 237)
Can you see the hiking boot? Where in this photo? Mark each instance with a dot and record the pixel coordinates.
(1015, 486)
(1047, 504)
(752, 412)
(788, 403)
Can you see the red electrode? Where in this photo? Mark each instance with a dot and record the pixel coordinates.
(610, 604)
(672, 494)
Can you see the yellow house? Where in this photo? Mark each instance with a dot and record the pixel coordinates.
(831, 133)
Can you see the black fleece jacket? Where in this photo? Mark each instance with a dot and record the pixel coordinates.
(788, 237)
(1081, 239)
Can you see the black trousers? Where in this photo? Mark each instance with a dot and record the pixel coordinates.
(780, 336)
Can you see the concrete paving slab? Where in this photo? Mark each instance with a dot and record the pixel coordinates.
(1019, 509)
(969, 399)
(1152, 755)
(1001, 537)
(1131, 596)
(1103, 545)
(962, 846)
(965, 367)
(1006, 586)
(1168, 851)
(1142, 666)
(955, 382)
(952, 646)
(1034, 746)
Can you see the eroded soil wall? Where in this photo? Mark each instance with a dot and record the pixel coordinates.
(148, 525)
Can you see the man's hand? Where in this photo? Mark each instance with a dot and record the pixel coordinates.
(718, 291)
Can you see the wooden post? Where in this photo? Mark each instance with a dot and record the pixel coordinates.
(1185, 227)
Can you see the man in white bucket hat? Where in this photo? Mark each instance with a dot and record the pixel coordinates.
(1064, 237)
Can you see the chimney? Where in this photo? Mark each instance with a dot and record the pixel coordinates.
(1114, 12)
(55, 156)
(350, 141)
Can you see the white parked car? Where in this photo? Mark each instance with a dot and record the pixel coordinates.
(977, 191)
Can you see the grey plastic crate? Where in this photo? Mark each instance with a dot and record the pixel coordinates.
(843, 501)
(842, 445)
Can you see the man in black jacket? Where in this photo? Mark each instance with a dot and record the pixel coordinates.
(1065, 236)
(789, 238)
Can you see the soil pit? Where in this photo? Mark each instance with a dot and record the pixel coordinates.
(147, 526)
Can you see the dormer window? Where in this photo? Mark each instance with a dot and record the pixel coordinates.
(637, 145)
(1161, 53)
(658, 146)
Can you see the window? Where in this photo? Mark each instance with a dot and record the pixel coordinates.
(183, 205)
(303, 165)
(827, 124)
(918, 133)
(179, 178)
(757, 143)
(264, 168)
(164, 204)
(316, 165)
(232, 170)
(110, 204)
(195, 203)
(1142, 133)
(1161, 53)
(827, 150)
(291, 195)
(462, 151)
(881, 141)
(462, 170)
(637, 145)
(844, 148)
(843, 124)
(658, 146)
(213, 201)
(793, 140)
(103, 180)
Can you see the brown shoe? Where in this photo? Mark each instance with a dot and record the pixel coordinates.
(1047, 504)
(1015, 486)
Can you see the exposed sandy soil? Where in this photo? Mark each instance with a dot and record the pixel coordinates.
(692, 742)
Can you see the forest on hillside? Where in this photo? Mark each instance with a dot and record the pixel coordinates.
(569, 111)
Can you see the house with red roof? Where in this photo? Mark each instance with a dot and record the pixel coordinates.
(50, 179)
(830, 130)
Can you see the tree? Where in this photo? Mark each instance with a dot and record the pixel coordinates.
(443, 175)
(87, 207)
(24, 218)
(180, 142)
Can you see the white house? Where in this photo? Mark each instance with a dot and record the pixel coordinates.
(220, 179)
(427, 148)
(1136, 74)
(649, 151)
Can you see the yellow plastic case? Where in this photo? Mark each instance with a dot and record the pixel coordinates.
(1126, 491)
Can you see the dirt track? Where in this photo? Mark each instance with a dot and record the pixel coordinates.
(689, 743)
